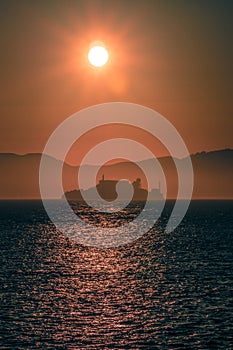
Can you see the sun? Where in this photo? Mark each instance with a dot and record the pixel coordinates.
(98, 56)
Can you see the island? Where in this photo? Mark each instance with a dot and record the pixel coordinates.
(107, 190)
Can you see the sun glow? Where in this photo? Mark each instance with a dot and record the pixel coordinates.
(98, 56)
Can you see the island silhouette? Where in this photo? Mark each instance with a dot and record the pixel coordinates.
(107, 190)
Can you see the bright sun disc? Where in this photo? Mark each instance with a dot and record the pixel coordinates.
(98, 56)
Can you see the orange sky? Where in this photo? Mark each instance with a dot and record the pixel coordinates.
(173, 56)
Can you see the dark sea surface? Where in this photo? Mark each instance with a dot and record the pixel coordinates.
(164, 291)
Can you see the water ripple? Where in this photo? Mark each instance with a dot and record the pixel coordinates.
(164, 291)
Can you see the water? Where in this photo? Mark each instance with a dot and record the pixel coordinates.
(164, 291)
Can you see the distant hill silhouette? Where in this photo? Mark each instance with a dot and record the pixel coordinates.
(213, 172)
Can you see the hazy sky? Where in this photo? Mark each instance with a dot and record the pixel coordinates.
(173, 56)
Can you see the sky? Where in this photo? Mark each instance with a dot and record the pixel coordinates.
(174, 56)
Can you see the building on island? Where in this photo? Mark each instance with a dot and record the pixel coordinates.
(107, 190)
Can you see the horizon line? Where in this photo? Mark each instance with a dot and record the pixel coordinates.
(169, 199)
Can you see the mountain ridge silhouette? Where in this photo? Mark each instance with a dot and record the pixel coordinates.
(213, 173)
